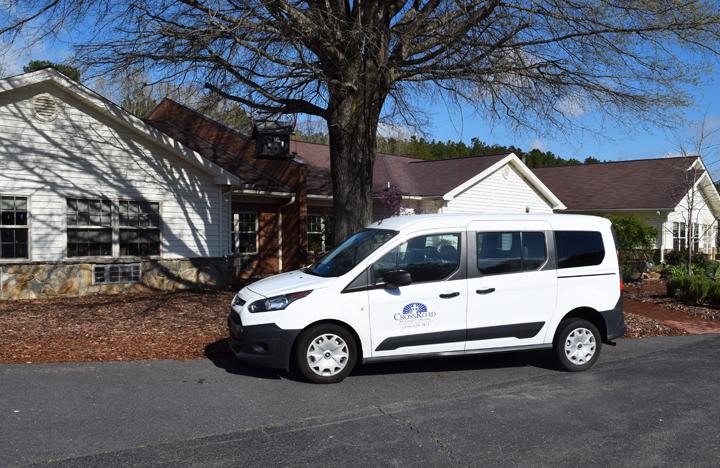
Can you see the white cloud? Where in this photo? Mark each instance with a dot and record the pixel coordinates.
(539, 144)
(572, 107)
(399, 132)
(16, 55)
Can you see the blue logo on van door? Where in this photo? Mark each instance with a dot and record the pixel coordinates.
(414, 308)
(413, 312)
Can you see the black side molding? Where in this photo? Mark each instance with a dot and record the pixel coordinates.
(518, 330)
(395, 342)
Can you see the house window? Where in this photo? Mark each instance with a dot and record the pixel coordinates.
(89, 227)
(245, 233)
(114, 274)
(679, 236)
(318, 233)
(13, 227)
(139, 228)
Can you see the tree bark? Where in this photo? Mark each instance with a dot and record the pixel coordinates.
(352, 126)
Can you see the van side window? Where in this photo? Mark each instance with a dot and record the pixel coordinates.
(579, 248)
(510, 252)
(428, 258)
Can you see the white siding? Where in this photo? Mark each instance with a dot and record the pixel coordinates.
(503, 191)
(83, 153)
(701, 215)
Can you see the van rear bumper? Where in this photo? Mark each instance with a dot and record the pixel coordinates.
(614, 321)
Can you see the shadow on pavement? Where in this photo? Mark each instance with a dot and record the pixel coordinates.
(219, 353)
(540, 359)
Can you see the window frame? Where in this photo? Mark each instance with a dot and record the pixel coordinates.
(322, 233)
(681, 238)
(235, 238)
(115, 221)
(117, 228)
(549, 251)
(28, 226)
(106, 273)
(90, 227)
(458, 273)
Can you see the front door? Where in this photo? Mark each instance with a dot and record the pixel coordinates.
(428, 315)
(512, 284)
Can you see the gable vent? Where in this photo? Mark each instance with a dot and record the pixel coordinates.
(45, 107)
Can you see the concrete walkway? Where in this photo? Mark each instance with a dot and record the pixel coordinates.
(673, 318)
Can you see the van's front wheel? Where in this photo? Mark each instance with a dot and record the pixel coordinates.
(325, 353)
(577, 347)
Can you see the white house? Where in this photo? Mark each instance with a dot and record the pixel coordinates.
(671, 194)
(92, 196)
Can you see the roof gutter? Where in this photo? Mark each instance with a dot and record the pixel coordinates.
(264, 193)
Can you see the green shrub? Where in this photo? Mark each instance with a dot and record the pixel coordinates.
(679, 257)
(635, 242)
(696, 289)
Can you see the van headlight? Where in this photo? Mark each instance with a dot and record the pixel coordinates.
(237, 301)
(276, 302)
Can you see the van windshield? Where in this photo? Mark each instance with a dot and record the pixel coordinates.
(351, 252)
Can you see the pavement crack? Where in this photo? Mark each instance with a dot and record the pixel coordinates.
(441, 445)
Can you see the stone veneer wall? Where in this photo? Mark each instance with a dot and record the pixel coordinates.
(41, 280)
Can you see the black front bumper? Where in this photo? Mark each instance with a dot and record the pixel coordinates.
(614, 321)
(265, 345)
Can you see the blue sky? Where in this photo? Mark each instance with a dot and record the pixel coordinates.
(604, 141)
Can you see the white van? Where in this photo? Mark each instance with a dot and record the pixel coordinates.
(438, 285)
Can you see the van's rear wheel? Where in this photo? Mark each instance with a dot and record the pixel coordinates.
(578, 344)
(325, 353)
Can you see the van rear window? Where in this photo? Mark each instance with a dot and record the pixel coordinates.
(579, 248)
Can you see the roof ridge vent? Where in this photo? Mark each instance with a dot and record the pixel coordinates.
(45, 107)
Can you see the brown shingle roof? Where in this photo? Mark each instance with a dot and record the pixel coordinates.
(220, 144)
(411, 176)
(233, 150)
(646, 183)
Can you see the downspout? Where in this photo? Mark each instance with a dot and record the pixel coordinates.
(280, 232)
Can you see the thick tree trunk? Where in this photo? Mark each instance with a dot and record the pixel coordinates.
(352, 127)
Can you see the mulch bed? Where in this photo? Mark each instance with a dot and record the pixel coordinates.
(180, 325)
(655, 292)
(703, 312)
(638, 326)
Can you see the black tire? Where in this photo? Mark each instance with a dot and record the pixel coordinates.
(567, 359)
(325, 331)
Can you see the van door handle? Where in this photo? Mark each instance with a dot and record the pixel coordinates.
(449, 295)
(485, 291)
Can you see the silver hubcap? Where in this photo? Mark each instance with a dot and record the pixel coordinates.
(580, 346)
(327, 355)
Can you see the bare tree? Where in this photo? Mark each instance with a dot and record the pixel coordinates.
(349, 62)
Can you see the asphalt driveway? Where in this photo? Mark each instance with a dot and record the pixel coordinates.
(648, 402)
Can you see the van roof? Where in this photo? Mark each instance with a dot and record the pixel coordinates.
(430, 221)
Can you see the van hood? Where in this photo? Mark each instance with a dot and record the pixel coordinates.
(293, 281)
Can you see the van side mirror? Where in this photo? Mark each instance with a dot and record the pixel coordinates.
(397, 278)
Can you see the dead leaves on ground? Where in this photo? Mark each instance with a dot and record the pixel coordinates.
(124, 327)
(178, 325)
